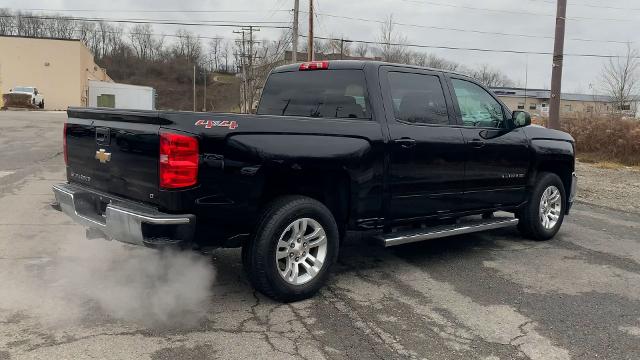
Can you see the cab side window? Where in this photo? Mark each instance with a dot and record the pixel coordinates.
(418, 98)
(477, 107)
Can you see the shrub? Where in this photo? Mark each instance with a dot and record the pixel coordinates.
(603, 137)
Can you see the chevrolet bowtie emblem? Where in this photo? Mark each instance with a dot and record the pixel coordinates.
(103, 156)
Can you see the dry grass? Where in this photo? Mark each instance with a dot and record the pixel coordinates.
(604, 139)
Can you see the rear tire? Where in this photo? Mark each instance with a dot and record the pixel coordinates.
(294, 245)
(41, 106)
(542, 216)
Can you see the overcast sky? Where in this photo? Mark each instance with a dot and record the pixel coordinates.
(621, 22)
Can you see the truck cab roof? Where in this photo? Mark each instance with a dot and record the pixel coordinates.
(359, 65)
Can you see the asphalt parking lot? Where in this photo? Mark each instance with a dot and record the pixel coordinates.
(485, 296)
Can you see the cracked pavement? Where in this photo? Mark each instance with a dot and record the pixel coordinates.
(485, 296)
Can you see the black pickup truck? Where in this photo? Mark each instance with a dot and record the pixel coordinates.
(340, 146)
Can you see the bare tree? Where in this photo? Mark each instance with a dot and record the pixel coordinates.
(620, 78)
(188, 46)
(7, 22)
(26, 24)
(227, 50)
(361, 50)
(393, 44)
(437, 62)
(321, 46)
(338, 45)
(145, 44)
(490, 77)
(269, 55)
(60, 27)
(215, 52)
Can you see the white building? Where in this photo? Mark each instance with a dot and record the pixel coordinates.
(121, 96)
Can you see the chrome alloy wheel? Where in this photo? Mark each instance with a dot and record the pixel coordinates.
(550, 207)
(301, 252)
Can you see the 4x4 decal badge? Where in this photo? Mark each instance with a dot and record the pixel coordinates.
(208, 124)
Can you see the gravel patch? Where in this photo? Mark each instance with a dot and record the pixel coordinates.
(613, 188)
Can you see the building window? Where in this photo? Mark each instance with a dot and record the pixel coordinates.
(544, 105)
(590, 108)
(520, 106)
(567, 108)
(625, 107)
(533, 106)
(107, 101)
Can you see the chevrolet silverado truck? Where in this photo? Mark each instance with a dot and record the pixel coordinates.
(407, 153)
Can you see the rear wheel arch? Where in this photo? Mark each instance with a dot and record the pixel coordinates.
(330, 187)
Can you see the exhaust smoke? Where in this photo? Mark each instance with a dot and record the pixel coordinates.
(98, 279)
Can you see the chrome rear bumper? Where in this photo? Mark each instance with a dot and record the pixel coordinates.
(123, 220)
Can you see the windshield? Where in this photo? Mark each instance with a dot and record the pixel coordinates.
(317, 94)
(23, 89)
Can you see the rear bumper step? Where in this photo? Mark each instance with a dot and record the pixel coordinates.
(121, 219)
(406, 237)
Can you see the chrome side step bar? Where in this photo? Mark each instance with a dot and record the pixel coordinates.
(406, 237)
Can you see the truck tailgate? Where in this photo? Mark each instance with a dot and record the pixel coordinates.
(114, 153)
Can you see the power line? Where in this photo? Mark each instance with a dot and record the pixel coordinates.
(516, 12)
(132, 33)
(153, 22)
(154, 11)
(382, 43)
(285, 10)
(442, 47)
(323, 38)
(443, 28)
(465, 30)
(513, 12)
(589, 5)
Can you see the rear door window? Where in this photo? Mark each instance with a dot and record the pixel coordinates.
(317, 94)
(418, 98)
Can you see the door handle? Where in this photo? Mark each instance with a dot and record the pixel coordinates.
(405, 142)
(476, 143)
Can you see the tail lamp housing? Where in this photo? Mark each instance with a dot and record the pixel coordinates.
(179, 157)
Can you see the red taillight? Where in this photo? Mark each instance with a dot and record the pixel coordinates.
(314, 65)
(64, 144)
(178, 161)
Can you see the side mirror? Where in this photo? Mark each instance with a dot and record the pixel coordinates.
(521, 119)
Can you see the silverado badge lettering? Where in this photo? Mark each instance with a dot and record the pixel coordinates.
(208, 124)
(80, 177)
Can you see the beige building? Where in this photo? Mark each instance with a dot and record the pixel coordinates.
(536, 102)
(59, 69)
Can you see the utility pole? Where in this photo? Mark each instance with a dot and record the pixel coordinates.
(251, 58)
(246, 57)
(310, 51)
(194, 88)
(342, 41)
(556, 72)
(526, 79)
(296, 12)
(204, 102)
(243, 67)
